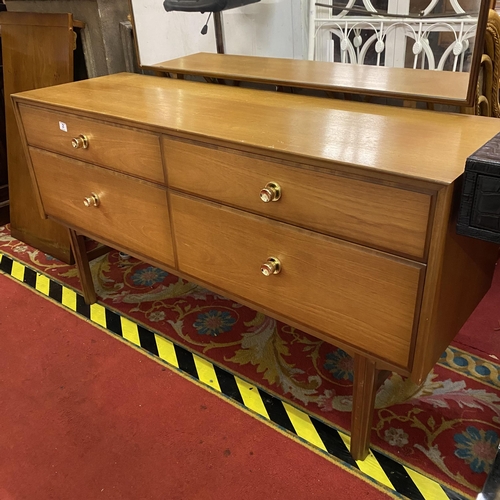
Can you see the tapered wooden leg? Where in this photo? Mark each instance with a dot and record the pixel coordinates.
(366, 383)
(83, 266)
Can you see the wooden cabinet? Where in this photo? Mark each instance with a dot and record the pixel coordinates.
(358, 247)
(37, 52)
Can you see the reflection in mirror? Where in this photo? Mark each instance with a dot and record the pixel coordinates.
(269, 28)
(419, 34)
(442, 37)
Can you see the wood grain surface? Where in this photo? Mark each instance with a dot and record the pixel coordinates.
(405, 83)
(120, 148)
(365, 298)
(37, 51)
(377, 215)
(132, 213)
(407, 143)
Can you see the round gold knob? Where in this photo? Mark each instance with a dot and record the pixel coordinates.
(91, 201)
(271, 266)
(80, 142)
(271, 192)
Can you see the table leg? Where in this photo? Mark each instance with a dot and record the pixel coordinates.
(366, 382)
(83, 266)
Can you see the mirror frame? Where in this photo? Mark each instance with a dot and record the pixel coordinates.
(468, 100)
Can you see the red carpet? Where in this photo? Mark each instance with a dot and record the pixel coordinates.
(83, 416)
(481, 333)
(448, 428)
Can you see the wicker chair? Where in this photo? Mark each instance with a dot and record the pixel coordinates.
(487, 103)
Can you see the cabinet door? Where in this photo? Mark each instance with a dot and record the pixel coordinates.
(37, 51)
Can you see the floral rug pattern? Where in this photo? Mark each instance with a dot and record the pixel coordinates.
(448, 428)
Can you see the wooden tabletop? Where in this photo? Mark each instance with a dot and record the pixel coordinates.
(411, 143)
(421, 85)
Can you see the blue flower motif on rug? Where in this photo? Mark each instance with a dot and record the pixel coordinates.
(149, 276)
(471, 365)
(477, 448)
(340, 365)
(214, 322)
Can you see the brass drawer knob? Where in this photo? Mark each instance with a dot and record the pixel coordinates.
(80, 142)
(91, 201)
(271, 192)
(271, 266)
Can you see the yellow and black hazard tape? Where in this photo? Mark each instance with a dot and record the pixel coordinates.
(382, 469)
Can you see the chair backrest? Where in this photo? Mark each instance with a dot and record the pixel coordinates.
(487, 90)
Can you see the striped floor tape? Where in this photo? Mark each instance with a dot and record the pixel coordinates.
(400, 479)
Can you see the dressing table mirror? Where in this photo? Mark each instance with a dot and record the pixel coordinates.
(423, 50)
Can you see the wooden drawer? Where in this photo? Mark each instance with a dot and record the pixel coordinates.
(363, 297)
(372, 214)
(120, 148)
(132, 214)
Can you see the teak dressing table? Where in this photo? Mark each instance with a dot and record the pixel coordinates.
(336, 217)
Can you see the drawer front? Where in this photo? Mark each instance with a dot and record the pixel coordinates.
(362, 297)
(131, 213)
(371, 214)
(123, 149)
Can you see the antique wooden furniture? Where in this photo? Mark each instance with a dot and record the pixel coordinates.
(336, 217)
(37, 52)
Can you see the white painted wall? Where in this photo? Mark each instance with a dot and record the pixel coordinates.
(272, 28)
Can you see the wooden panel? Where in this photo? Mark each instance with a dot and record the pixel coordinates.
(377, 215)
(37, 51)
(364, 298)
(4, 195)
(4, 204)
(460, 274)
(34, 19)
(132, 213)
(123, 149)
(430, 86)
(371, 139)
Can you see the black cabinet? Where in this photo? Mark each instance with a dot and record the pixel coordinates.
(479, 213)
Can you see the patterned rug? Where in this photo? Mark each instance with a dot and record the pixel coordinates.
(448, 428)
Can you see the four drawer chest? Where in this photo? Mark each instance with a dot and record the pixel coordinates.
(336, 217)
